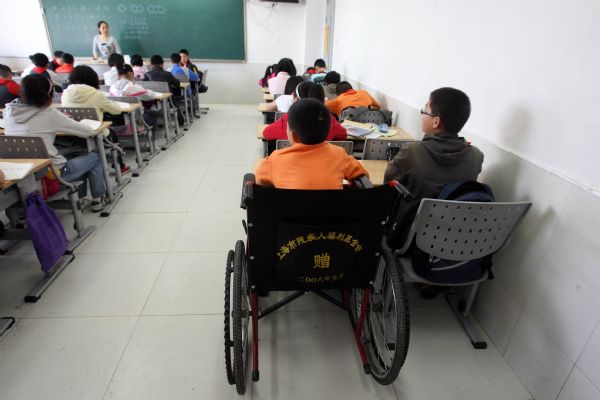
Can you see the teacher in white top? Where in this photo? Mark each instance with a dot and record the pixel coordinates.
(104, 45)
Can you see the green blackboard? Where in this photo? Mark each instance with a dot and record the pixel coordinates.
(209, 29)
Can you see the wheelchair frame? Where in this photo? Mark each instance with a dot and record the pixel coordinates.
(362, 288)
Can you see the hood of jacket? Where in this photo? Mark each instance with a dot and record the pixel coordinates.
(21, 112)
(78, 94)
(446, 148)
(119, 88)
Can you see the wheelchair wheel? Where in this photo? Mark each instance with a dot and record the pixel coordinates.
(228, 341)
(241, 316)
(386, 330)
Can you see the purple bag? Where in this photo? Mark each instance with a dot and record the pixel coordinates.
(46, 231)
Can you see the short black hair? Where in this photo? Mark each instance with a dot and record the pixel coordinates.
(5, 71)
(68, 58)
(184, 51)
(319, 62)
(175, 58)
(286, 65)
(84, 75)
(452, 106)
(332, 77)
(311, 90)
(39, 60)
(115, 60)
(156, 60)
(291, 83)
(100, 23)
(36, 90)
(124, 69)
(59, 53)
(342, 87)
(309, 119)
(137, 60)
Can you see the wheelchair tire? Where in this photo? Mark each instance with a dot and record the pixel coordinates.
(227, 322)
(241, 316)
(384, 365)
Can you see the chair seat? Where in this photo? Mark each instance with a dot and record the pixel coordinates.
(410, 275)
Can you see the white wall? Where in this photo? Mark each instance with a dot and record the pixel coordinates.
(273, 31)
(530, 68)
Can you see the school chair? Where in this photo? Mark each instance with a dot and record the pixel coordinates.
(188, 106)
(167, 110)
(278, 115)
(367, 116)
(57, 98)
(382, 149)
(202, 85)
(460, 232)
(346, 145)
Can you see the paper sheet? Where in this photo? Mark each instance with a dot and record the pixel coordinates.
(91, 123)
(14, 171)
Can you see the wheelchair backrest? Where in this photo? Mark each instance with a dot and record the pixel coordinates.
(314, 239)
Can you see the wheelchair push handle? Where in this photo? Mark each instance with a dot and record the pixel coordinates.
(363, 182)
(247, 193)
(402, 190)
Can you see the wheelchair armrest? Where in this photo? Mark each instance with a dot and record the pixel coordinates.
(249, 181)
(406, 195)
(363, 182)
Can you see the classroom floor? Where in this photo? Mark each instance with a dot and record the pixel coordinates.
(139, 312)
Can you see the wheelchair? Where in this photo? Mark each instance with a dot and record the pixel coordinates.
(324, 242)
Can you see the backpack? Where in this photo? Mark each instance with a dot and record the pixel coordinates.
(437, 269)
(366, 115)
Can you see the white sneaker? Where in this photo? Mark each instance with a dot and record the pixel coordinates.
(97, 205)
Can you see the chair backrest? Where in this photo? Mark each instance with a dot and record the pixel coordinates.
(22, 147)
(182, 77)
(79, 113)
(308, 239)
(204, 73)
(382, 149)
(57, 98)
(460, 231)
(348, 146)
(366, 116)
(105, 88)
(160, 87)
(278, 115)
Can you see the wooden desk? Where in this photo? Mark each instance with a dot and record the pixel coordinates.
(400, 134)
(268, 97)
(264, 89)
(263, 107)
(38, 164)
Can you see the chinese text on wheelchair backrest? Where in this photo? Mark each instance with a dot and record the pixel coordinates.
(209, 29)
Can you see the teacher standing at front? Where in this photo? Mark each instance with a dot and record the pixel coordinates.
(104, 45)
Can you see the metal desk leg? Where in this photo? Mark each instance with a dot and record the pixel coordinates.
(185, 101)
(121, 182)
(113, 197)
(136, 144)
(168, 141)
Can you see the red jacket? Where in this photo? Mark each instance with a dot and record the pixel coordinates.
(9, 90)
(278, 130)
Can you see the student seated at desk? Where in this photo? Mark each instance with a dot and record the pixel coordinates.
(305, 90)
(283, 102)
(285, 69)
(158, 74)
(348, 97)
(67, 64)
(40, 61)
(442, 156)
(320, 71)
(114, 61)
(9, 89)
(32, 116)
(269, 73)
(56, 61)
(84, 91)
(177, 69)
(332, 79)
(137, 63)
(310, 163)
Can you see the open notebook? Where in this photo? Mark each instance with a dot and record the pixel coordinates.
(14, 171)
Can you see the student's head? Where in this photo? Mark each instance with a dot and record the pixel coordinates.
(310, 90)
(84, 75)
(68, 58)
(320, 65)
(36, 90)
(137, 61)
(157, 61)
(286, 65)
(39, 60)
(5, 72)
(125, 72)
(58, 57)
(291, 83)
(115, 60)
(308, 122)
(342, 87)
(175, 58)
(447, 110)
(185, 55)
(103, 27)
(332, 77)
(310, 70)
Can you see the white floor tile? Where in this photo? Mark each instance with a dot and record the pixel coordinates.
(101, 285)
(174, 358)
(227, 175)
(217, 198)
(578, 387)
(157, 199)
(18, 274)
(135, 233)
(589, 361)
(169, 175)
(61, 358)
(209, 232)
